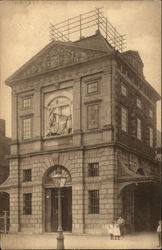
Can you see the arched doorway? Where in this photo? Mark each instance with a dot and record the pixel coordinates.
(141, 206)
(51, 201)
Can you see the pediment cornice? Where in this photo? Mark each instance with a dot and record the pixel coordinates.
(53, 56)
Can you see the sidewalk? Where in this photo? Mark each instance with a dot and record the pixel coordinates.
(49, 241)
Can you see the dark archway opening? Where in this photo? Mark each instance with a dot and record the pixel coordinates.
(51, 202)
(146, 207)
(4, 207)
(141, 206)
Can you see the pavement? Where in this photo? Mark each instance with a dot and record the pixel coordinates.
(48, 241)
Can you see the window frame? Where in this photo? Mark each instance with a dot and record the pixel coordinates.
(92, 171)
(139, 129)
(26, 176)
(122, 84)
(138, 100)
(27, 98)
(91, 83)
(93, 201)
(23, 128)
(126, 109)
(150, 113)
(88, 116)
(27, 203)
(151, 137)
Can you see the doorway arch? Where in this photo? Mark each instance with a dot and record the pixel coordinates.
(51, 200)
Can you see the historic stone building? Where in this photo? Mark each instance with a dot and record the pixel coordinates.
(86, 107)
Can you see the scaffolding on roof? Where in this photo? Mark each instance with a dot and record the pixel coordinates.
(77, 27)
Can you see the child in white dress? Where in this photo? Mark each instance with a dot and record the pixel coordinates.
(116, 231)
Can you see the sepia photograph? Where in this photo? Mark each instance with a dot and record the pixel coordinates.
(80, 124)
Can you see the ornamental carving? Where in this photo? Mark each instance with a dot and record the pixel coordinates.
(59, 116)
(50, 181)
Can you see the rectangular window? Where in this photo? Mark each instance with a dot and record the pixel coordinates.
(27, 128)
(124, 119)
(93, 116)
(93, 201)
(139, 103)
(27, 198)
(27, 175)
(93, 169)
(92, 87)
(27, 102)
(139, 129)
(123, 89)
(151, 137)
(150, 113)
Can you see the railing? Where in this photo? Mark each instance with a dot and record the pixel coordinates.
(4, 222)
(77, 27)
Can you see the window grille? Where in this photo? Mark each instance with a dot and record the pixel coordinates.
(93, 169)
(93, 197)
(27, 175)
(27, 203)
(27, 128)
(93, 116)
(139, 129)
(92, 87)
(124, 119)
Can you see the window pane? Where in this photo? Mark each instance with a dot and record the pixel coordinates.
(123, 89)
(92, 87)
(139, 129)
(93, 169)
(27, 175)
(27, 103)
(150, 113)
(27, 203)
(151, 137)
(124, 119)
(139, 104)
(93, 200)
(93, 116)
(27, 128)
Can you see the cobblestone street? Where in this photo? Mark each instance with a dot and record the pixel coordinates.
(49, 241)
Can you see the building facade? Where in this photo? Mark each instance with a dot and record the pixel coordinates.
(87, 108)
(4, 166)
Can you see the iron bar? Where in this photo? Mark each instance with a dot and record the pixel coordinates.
(63, 30)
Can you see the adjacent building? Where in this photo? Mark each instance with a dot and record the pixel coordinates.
(87, 108)
(4, 165)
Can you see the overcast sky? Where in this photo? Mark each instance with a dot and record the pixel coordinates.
(25, 31)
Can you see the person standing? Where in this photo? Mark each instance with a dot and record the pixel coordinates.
(159, 233)
(116, 231)
(121, 223)
(111, 230)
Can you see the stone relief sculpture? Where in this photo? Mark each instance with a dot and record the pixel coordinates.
(59, 117)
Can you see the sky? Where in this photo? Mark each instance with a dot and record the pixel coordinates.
(24, 31)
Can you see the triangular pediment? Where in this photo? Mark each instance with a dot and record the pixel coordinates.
(54, 55)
